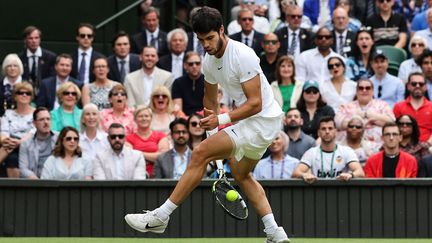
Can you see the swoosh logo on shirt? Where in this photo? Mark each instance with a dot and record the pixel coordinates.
(219, 68)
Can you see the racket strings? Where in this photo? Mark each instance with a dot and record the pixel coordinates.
(236, 208)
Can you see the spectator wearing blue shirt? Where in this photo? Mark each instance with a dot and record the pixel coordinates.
(278, 165)
(389, 88)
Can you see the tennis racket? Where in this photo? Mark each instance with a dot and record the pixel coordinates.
(237, 208)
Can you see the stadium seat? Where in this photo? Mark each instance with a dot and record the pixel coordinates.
(395, 55)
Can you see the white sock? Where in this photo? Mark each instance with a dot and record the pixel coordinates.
(166, 209)
(269, 223)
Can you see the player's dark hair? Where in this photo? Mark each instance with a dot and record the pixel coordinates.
(206, 19)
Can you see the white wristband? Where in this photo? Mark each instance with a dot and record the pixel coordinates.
(224, 119)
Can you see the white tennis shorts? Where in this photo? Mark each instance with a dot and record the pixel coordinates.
(253, 135)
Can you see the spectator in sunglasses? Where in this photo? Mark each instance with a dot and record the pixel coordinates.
(388, 28)
(84, 56)
(97, 91)
(375, 113)
(355, 139)
(119, 111)
(416, 47)
(150, 143)
(312, 108)
(197, 133)
(92, 137)
(311, 64)
(67, 114)
(66, 161)
(410, 132)
(16, 127)
(118, 162)
(163, 109)
(338, 90)
(417, 106)
(188, 90)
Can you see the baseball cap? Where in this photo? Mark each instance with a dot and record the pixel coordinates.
(310, 84)
(379, 53)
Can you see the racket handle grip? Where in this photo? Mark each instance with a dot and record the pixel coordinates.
(219, 164)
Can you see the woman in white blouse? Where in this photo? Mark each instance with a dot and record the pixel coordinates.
(17, 126)
(92, 137)
(338, 90)
(66, 162)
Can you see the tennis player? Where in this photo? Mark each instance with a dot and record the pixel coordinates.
(258, 119)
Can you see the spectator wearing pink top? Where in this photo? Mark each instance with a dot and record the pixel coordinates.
(150, 143)
(119, 111)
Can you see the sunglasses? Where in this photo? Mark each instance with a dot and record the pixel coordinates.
(190, 64)
(72, 139)
(332, 66)
(314, 91)
(391, 134)
(115, 136)
(379, 91)
(82, 36)
(179, 132)
(294, 16)
(382, 1)
(246, 19)
(67, 93)
(160, 95)
(355, 126)
(268, 42)
(417, 45)
(405, 124)
(324, 37)
(24, 93)
(194, 124)
(417, 84)
(119, 94)
(363, 88)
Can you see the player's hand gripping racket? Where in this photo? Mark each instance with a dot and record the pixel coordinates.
(236, 207)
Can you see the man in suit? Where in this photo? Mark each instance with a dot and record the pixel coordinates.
(122, 61)
(47, 95)
(173, 163)
(38, 62)
(151, 35)
(118, 162)
(173, 62)
(343, 37)
(248, 35)
(140, 84)
(294, 39)
(84, 57)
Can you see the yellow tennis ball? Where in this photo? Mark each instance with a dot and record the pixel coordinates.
(231, 195)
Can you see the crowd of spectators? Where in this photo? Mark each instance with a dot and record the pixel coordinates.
(352, 108)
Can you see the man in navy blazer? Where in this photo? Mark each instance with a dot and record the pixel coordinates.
(85, 37)
(173, 62)
(131, 61)
(248, 35)
(304, 39)
(151, 35)
(343, 37)
(47, 94)
(44, 59)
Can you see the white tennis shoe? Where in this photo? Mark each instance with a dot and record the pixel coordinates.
(147, 222)
(278, 236)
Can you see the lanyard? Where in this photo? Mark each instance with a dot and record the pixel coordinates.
(282, 168)
(332, 160)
